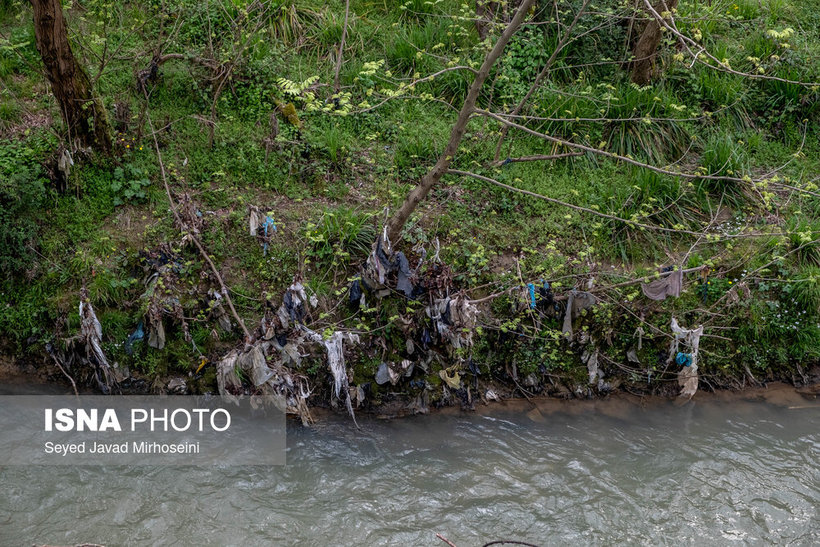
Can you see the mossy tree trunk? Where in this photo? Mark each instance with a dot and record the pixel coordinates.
(646, 50)
(84, 115)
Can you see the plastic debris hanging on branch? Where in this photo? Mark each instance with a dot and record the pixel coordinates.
(454, 319)
(336, 362)
(261, 225)
(686, 356)
(293, 308)
(227, 380)
(218, 310)
(380, 264)
(666, 286)
(577, 302)
(160, 285)
(91, 332)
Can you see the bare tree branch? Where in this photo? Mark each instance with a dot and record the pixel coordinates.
(396, 223)
(627, 221)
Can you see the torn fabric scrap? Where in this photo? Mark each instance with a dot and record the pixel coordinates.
(669, 285)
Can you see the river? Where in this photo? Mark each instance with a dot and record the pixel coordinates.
(709, 472)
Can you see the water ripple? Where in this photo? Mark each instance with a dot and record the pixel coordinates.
(705, 473)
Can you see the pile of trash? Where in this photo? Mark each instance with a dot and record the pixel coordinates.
(266, 367)
(277, 349)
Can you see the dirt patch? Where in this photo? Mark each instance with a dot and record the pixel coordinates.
(28, 122)
(20, 371)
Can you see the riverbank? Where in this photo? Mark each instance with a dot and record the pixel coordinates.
(233, 240)
(16, 379)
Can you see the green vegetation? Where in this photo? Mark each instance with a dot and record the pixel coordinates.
(245, 116)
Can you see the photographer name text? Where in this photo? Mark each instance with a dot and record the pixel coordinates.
(135, 447)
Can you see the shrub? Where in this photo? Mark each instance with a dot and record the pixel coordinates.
(22, 194)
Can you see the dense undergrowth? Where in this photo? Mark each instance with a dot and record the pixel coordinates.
(331, 164)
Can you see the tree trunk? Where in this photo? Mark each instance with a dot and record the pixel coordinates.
(485, 11)
(84, 116)
(397, 221)
(646, 49)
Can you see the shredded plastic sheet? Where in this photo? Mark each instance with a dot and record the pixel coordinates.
(65, 163)
(356, 294)
(91, 331)
(336, 361)
(453, 380)
(160, 305)
(690, 340)
(385, 373)
(176, 386)
(669, 285)
(392, 372)
(577, 302)
(454, 319)
(156, 333)
(255, 219)
(401, 264)
(357, 394)
(253, 362)
(531, 295)
(590, 357)
(226, 377)
(136, 336)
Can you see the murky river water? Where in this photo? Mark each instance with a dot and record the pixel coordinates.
(710, 472)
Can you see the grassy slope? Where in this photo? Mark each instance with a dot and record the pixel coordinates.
(326, 184)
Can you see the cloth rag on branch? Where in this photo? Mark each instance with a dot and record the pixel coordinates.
(666, 286)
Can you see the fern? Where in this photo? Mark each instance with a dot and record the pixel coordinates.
(294, 89)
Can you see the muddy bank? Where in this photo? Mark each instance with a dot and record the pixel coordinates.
(617, 404)
(24, 377)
